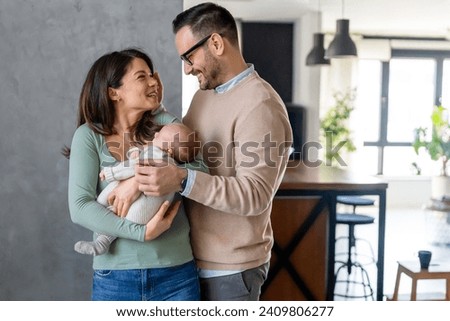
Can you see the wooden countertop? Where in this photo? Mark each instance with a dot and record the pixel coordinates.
(300, 176)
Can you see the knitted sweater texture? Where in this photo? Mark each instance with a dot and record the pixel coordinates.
(245, 135)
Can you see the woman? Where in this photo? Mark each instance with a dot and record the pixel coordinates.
(119, 106)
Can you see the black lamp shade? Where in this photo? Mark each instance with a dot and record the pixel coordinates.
(342, 45)
(317, 54)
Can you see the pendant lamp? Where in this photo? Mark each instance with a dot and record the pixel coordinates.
(342, 46)
(317, 54)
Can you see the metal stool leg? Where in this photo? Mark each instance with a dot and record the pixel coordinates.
(357, 278)
(363, 284)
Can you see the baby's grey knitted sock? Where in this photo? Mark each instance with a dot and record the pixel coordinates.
(98, 247)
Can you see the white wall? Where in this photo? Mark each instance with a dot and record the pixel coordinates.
(306, 84)
(406, 192)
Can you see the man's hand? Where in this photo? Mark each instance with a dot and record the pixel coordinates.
(156, 179)
(162, 220)
(123, 196)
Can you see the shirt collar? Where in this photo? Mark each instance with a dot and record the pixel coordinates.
(234, 81)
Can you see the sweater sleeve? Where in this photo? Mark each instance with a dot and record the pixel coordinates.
(82, 191)
(261, 139)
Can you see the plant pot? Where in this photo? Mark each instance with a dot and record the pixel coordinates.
(440, 187)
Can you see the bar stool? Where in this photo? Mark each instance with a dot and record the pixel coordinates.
(353, 262)
(360, 278)
(355, 201)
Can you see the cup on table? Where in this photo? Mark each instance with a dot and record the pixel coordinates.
(424, 258)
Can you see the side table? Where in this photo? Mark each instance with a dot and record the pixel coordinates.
(436, 270)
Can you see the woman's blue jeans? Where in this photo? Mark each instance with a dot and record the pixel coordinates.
(177, 283)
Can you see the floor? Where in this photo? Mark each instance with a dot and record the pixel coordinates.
(407, 232)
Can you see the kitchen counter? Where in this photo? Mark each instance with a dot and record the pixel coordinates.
(304, 224)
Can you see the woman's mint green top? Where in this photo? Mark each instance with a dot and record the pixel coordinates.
(129, 251)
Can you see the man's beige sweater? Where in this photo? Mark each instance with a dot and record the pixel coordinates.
(245, 135)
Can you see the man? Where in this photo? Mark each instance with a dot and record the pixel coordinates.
(246, 135)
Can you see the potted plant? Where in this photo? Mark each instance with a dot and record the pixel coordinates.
(334, 126)
(438, 148)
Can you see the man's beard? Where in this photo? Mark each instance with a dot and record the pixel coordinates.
(211, 80)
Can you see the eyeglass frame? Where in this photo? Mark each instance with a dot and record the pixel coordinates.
(184, 56)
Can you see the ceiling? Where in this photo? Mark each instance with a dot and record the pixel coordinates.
(403, 18)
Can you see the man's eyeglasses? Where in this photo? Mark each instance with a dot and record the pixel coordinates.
(185, 56)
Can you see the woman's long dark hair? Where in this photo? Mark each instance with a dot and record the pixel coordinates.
(96, 109)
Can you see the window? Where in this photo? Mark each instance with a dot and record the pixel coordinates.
(411, 96)
(394, 98)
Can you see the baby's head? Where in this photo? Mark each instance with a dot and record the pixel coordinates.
(178, 140)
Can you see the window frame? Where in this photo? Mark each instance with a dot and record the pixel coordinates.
(438, 56)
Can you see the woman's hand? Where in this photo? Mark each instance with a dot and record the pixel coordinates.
(162, 220)
(160, 87)
(123, 196)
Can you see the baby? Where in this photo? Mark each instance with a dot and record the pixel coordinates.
(173, 142)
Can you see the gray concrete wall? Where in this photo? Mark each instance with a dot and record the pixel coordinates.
(46, 48)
